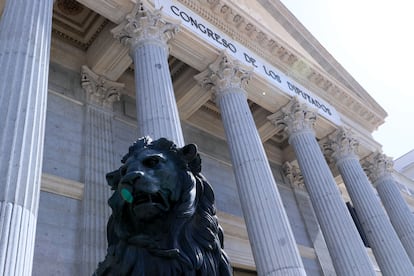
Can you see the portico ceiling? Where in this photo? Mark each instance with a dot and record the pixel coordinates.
(85, 25)
(76, 24)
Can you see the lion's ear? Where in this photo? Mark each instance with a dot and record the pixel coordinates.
(188, 152)
(113, 179)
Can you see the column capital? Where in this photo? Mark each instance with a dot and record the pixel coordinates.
(341, 145)
(292, 172)
(296, 116)
(99, 90)
(224, 74)
(141, 26)
(379, 166)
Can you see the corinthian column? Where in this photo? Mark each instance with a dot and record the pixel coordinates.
(147, 33)
(304, 204)
(344, 244)
(25, 32)
(100, 94)
(273, 245)
(380, 169)
(387, 248)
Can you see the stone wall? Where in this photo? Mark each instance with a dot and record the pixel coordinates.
(57, 236)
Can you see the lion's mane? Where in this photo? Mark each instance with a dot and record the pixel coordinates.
(193, 239)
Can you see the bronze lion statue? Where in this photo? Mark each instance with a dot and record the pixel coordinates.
(163, 219)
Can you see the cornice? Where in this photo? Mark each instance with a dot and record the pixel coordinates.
(316, 50)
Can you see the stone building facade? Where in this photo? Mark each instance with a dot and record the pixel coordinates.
(284, 132)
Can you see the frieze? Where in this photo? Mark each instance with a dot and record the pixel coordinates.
(244, 31)
(240, 27)
(272, 49)
(207, 31)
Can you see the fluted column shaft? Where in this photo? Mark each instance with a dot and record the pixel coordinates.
(387, 248)
(304, 204)
(398, 211)
(273, 245)
(95, 210)
(25, 33)
(147, 34)
(99, 160)
(344, 244)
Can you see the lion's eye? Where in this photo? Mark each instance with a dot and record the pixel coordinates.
(151, 162)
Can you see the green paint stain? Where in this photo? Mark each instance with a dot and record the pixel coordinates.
(126, 195)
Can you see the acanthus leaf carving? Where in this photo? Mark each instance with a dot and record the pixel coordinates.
(100, 90)
(296, 116)
(143, 25)
(342, 145)
(378, 166)
(292, 172)
(223, 74)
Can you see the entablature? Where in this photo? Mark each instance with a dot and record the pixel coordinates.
(240, 26)
(253, 33)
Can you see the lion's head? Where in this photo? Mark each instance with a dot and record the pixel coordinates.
(163, 218)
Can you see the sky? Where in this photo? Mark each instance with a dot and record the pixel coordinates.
(374, 42)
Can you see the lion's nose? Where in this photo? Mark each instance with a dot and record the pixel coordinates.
(131, 177)
(127, 183)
